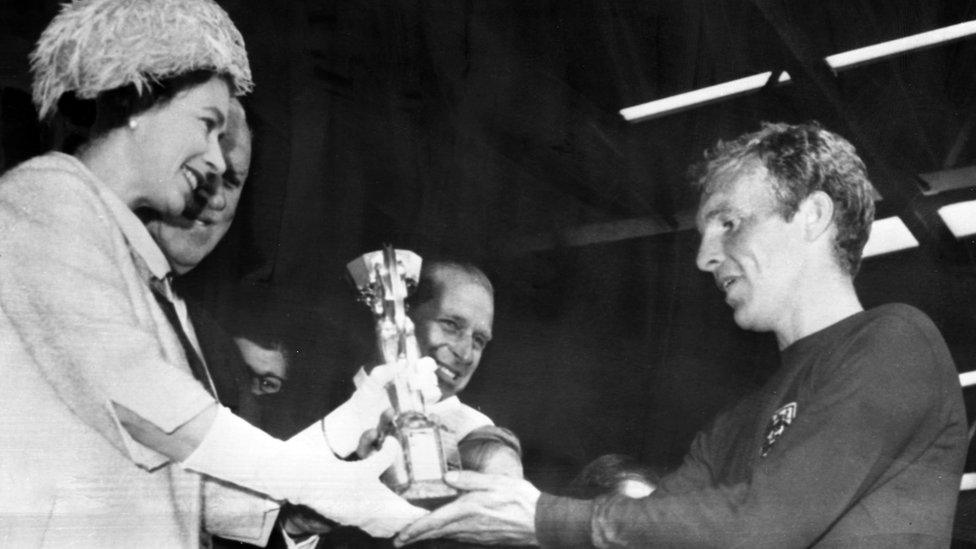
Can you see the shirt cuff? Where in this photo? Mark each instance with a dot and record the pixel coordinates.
(563, 522)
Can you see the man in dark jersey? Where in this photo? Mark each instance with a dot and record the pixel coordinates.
(858, 439)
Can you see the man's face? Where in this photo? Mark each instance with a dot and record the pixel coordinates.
(269, 367)
(453, 328)
(186, 242)
(753, 253)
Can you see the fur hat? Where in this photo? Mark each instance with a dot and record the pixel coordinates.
(96, 45)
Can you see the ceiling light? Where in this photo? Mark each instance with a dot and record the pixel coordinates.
(889, 235)
(701, 96)
(960, 218)
(837, 62)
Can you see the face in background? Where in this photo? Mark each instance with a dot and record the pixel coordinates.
(269, 367)
(175, 147)
(453, 327)
(752, 252)
(185, 241)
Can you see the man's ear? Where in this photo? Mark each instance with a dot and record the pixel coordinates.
(817, 213)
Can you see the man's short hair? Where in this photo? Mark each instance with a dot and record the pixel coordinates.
(430, 279)
(801, 159)
(263, 317)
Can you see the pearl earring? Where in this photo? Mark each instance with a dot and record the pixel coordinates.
(133, 123)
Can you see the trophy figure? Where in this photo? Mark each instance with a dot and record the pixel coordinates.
(383, 279)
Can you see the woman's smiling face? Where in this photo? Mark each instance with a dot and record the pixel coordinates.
(177, 146)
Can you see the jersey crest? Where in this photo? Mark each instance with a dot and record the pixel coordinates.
(777, 426)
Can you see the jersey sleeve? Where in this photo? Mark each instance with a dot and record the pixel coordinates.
(853, 431)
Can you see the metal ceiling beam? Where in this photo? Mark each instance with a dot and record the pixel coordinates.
(901, 191)
(837, 62)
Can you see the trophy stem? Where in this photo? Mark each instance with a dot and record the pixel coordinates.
(383, 279)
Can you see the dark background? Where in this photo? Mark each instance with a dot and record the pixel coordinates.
(488, 131)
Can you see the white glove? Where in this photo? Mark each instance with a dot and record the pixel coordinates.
(346, 424)
(304, 471)
(422, 377)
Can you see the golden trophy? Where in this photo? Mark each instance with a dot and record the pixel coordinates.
(383, 279)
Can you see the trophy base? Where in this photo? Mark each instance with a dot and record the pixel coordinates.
(429, 494)
(428, 453)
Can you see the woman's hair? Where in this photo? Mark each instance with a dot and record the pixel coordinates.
(118, 105)
(114, 107)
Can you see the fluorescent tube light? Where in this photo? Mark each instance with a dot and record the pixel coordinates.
(960, 218)
(889, 235)
(838, 61)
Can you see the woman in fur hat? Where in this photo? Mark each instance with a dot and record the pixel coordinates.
(107, 426)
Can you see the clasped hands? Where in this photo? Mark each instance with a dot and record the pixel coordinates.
(494, 510)
(352, 493)
(308, 469)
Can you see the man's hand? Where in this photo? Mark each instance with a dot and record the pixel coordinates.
(497, 510)
(349, 492)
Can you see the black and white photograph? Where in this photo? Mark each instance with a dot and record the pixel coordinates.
(440, 274)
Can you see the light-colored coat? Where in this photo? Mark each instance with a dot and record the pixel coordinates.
(79, 333)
